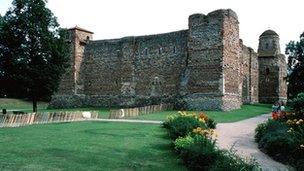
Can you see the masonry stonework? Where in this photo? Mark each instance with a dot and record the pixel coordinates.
(203, 68)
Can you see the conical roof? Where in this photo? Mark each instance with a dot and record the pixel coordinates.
(269, 33)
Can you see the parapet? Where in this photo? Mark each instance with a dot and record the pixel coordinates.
(221, 13)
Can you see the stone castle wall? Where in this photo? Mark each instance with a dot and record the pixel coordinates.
(127, 71)
(250, 75)
(203, 68)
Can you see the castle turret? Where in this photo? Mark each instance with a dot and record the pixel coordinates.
(269, 44)
(272, 68)
(71, 87)
(214, 61)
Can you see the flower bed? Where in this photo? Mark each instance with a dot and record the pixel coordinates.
(194, 140)
(283, 137)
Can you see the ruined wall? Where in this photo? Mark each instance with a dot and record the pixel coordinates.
(282, 78)
(132, 70)
(250, 75)
(231, 62)
(213, 63)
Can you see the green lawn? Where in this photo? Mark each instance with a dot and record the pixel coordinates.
(246, 111)
(87, 146)
(19, 104)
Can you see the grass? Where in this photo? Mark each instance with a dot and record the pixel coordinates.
(246, 111)
(87, 146)
(27, 106)
(19, 104)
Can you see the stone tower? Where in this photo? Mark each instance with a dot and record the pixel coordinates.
(71, 85)
(214, 61)
(272, 69)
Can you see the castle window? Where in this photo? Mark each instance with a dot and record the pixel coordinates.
(174, 49)
(160, 50)
(146, 51)
(88, 38)
(267, 71)
(266, 46)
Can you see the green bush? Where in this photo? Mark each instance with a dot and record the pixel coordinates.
(228, 160)
(260, 131)
(200, 153)
(197, 151)
(282, 141)
(279, 145)
(211, 123)
(297, 103)
(180, 125)
(271, 126)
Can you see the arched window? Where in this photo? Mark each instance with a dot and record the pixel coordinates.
(266, 46)
(160, 51)
(146, 51)
(267, 72)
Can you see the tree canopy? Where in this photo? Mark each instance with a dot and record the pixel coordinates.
(33, 51)
(295, 52)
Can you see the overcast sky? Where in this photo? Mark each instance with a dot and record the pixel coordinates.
(119, 18)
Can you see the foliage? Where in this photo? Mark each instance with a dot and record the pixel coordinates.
(297, 103)
(295, 52)
(260, 131)
(33, 51)
(283, 140)
(181, 124)
(195, 143)
(197, 151)
(229, 160)
(209, 121)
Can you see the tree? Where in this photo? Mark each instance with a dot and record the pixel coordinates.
(33, 50)
(295, 52)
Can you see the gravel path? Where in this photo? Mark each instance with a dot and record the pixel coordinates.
(241, 136)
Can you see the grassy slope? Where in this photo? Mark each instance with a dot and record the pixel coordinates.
(246, 111)
(87, 146)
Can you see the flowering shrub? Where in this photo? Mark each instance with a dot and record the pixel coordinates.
(181, 124)
(283, 137)
(208, 133)
(210, 122)
(195, 142)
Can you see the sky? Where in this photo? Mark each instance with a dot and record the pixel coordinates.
(120, 18)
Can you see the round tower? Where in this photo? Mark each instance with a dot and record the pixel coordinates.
(272, 68)
(269, 44)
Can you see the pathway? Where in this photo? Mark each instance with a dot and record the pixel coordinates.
(241, 136)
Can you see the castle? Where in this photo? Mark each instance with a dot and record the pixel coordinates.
(205, 67)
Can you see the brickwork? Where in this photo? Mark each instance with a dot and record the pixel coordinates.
(272, 69)
(203, 68)
(250, 75)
